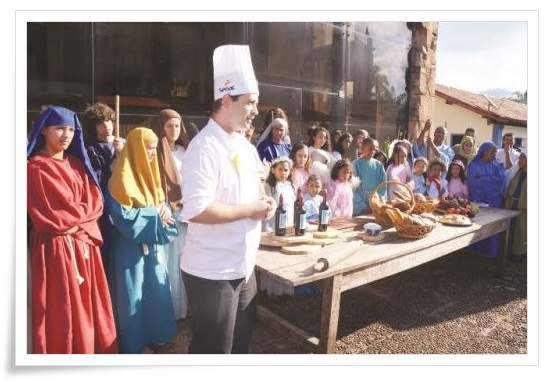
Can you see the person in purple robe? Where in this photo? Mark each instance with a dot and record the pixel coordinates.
(102, 149)
(485, 177)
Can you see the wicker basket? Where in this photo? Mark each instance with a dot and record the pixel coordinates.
(421, 207)
(410, 227)
(379, 208)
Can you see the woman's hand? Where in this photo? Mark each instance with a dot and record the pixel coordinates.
(165, 214)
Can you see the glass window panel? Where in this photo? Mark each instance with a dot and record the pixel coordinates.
(346, 75)
(376, 89)
(58, 66)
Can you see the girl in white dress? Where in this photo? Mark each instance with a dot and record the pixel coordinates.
(279, 183)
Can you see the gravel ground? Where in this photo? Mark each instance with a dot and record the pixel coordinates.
(452, 305)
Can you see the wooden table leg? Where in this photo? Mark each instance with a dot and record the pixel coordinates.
(329, 314)
(503, 250)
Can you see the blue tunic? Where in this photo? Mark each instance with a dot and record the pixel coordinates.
(138, 282)
(101, 155)
(485, 180)
(269, 150)
(371, 173)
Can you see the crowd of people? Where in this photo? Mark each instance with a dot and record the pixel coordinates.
(122, 231)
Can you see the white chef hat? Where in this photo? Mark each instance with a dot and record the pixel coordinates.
(233, 71)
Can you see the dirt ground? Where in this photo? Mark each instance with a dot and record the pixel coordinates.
(452, 305)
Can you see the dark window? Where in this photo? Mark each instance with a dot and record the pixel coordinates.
(347, 75)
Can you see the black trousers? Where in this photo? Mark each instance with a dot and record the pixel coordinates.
(222, 314)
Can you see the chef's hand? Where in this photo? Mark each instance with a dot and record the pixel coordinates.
(264, 208)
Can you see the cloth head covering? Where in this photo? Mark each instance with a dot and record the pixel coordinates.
(233, 71)
(169, 174)
(510, 173)
(268, 130)
(473, 151)
(483, 148)
(60, 116)
(135, 182)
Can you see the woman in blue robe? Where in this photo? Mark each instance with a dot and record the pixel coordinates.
(485, 177)
(138, 274)
(273, 143)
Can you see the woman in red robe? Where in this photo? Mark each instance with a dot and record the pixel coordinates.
(71, 305)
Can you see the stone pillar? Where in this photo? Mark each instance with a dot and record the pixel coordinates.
(421, 75)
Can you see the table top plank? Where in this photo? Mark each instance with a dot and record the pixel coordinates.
(297, 270)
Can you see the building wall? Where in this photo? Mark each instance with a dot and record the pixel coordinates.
(458, 119)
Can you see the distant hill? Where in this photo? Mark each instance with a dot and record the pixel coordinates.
(497, 93)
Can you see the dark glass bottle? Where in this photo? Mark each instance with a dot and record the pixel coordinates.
(300, 215)
(280, 218)
(324, 213)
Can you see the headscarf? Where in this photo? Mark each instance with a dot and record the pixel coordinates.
(135, 182)
(510, 174)
(483, 148)
(268, 130)
(60, 116)
(473, 151)
(169, 174)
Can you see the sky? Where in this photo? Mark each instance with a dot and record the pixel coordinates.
(482, 55)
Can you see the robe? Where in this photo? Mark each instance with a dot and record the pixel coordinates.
(484, 180)
(519, 237)
(269, 150)
(101, 155)
(71, 305)
(138, 277)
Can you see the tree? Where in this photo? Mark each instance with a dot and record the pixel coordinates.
(520, 97)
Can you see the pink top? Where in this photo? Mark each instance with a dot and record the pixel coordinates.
(457, 187)
(340, 199)
(299, 176)
(400, 173)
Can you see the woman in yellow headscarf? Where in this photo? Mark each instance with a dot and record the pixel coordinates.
(142, 219)
(467, 150)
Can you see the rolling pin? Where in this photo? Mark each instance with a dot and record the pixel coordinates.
(338, 253)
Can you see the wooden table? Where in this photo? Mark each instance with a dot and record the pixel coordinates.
(371, 262)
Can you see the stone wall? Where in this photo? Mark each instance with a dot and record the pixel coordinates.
(421, 75)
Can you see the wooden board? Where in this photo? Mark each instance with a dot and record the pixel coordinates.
(371, 239)
(269, 238)
(302, 249)
(330, 233)
(345, 223)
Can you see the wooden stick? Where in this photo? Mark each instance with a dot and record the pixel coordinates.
(335, 254)
(117, 117)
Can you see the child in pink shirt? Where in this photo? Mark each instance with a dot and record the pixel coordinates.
(398, 170)
(340, 189)
(456, 178)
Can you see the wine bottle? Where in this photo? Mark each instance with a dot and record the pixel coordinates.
(280, 218)
(300, 215)
(324, 213)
